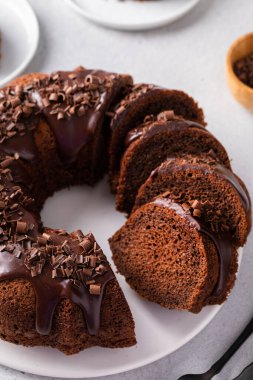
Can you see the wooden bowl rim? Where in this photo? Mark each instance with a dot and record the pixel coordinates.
(229, 63)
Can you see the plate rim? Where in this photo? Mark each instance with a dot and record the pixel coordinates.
(33, 26)
(128, 27)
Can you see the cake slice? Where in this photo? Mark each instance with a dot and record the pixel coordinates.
(56, 289)
(152, 143)
(145, 101)
(217, 195)
(169, 258)
(57, 308)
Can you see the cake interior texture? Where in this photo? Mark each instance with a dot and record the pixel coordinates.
(201, 181)
(145, 101)
(148, 146)
(166, 258)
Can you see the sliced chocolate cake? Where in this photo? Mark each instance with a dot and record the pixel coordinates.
(63, 292)
(169, 258)
(145, 101)
(217, 195)
(56, 288)
(150, 144)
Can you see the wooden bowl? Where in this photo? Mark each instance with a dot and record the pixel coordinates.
(242, 47)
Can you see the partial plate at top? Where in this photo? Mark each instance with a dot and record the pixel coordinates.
(130, 14)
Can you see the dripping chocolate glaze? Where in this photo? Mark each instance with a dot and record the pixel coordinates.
(24, 145)
(49, 291)
(223, 243)
(72, 133)
(233, 180)
(158, 126)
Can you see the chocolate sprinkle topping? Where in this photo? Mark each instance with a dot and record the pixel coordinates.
(67, 100)
(136, 92)
(72, 266)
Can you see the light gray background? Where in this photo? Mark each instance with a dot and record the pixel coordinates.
(189, 55)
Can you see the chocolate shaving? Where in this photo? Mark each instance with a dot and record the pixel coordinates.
(63, 96)
(197, 213)
(22, 227)
(95, 289)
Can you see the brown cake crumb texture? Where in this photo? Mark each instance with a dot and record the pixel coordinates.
(195, 181)
(154, 142)
(145, 101)
(167, 260)
(69, 128)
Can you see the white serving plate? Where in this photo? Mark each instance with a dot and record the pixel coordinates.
(132, 15)
(159, 331)
(20, 36)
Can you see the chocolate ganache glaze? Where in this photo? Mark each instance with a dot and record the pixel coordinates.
(58, 265)
(50, 291)
(73, 103)
(222, 242)
(87, 96)
(233, 180)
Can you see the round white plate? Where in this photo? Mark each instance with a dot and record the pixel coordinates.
(132, 15)
(20, 36)
(159, 331)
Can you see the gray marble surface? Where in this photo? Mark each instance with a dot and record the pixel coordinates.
(189, 55)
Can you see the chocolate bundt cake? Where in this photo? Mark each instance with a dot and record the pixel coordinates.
(56, 289)
(218, 196)
(170, 258)
(142, 102)
(150, 144)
